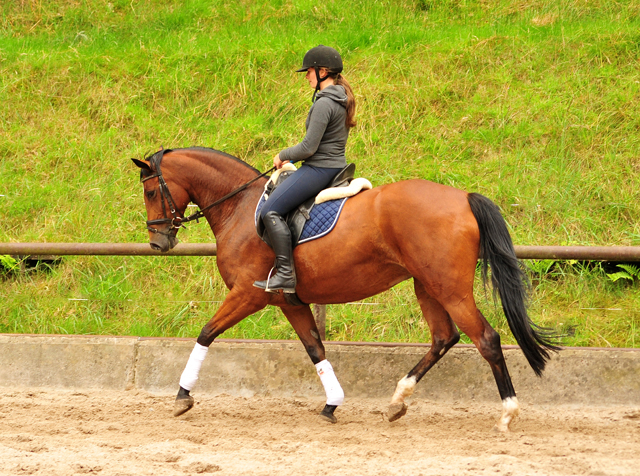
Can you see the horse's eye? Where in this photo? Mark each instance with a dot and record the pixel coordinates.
(151, 193)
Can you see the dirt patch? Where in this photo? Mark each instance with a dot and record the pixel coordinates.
(133, 433)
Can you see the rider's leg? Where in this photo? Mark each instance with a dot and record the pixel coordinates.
(280, 237)
(303, 184)
(306, 182)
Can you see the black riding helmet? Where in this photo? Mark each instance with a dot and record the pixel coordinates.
(321, 57)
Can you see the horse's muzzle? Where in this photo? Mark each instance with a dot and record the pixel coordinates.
(163, 243)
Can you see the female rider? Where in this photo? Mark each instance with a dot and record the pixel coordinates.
(322, 152)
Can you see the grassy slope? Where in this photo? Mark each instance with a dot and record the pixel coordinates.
(532, 103)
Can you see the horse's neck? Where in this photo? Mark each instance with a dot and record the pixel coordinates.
(208, 183)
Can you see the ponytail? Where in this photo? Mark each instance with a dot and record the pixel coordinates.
(351, 100)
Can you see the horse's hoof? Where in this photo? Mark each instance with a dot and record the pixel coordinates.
(327, 413)
(327, 416)
(501, 428)
(396, 411)
(182, 405)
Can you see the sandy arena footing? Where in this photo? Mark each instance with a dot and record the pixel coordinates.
(79, 405)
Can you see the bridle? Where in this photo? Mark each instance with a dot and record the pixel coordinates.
(177, 220)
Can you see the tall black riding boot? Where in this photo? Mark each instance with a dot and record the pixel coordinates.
(285, 274)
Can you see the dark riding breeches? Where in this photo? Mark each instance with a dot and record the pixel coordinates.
(304, 183)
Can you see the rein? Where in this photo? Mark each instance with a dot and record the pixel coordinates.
(178, 221)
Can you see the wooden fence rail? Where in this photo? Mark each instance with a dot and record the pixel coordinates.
(586, 253)
(33, 250)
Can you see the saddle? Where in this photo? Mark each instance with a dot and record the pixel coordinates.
(337, 191)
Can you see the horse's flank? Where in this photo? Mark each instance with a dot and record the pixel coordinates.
(412, 217)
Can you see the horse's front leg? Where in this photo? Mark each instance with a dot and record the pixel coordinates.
(302, 321)
(237, 305)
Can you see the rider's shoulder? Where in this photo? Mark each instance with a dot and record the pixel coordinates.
(321, 105)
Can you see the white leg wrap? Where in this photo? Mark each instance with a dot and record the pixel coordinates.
(190, 374)
(335, 394)
(404, 389)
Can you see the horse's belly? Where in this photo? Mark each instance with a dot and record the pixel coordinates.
(345, 270)
(349, 287)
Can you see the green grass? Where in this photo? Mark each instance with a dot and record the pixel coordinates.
(532, 103)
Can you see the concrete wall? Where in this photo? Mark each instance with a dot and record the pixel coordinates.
(282, 368)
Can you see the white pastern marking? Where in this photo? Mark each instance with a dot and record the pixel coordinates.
(510, 410)
(404, 389)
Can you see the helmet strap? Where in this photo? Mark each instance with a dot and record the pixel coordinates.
(318, 81)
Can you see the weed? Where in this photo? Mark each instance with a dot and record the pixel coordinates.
(8, 264)
(629, 272)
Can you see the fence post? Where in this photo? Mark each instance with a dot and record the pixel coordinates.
(320, 315)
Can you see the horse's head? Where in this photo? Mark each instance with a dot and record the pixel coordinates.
(165, 201)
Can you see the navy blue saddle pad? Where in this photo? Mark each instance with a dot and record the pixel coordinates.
(323, 218)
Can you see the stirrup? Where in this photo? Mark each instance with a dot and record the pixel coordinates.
(274, 290)
(265, 284)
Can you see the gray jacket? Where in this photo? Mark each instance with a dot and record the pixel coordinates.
(326, 138)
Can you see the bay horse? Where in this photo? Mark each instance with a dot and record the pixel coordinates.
(416, 229)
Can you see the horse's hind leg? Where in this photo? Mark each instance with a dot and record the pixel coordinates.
(444, 335)
(302, 321)
(471, 321)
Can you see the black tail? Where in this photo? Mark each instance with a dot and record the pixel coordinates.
(508, 278)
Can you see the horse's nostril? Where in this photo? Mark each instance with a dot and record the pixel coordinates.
(155, 247)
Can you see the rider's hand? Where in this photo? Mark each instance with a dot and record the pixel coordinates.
(277, 163)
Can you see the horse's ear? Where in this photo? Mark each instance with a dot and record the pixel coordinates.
(142, 165)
